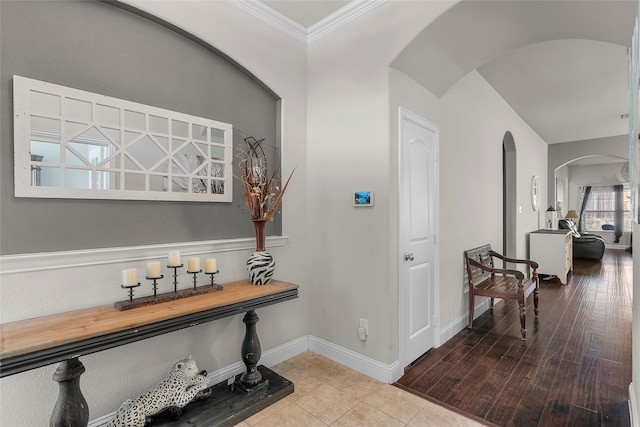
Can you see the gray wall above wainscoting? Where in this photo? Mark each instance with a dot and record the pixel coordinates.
(98, 47)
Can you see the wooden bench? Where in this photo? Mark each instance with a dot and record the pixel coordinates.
(488, 281)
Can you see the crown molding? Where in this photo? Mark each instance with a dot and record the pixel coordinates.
(272, 17)
(340, 17)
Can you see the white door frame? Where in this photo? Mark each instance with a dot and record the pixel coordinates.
(403, 113)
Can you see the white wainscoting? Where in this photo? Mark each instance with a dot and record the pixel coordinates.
(90, 257)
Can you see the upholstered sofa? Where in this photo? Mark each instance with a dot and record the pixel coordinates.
(585, 245)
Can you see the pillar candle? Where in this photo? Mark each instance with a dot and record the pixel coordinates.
(153, 269)
(193, 264)
(174, 258)
(210, 265)
(130, 276)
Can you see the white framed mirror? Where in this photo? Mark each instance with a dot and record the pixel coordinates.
(535, 193)
(74, 144)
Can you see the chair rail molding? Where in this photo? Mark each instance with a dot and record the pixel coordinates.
(42, 261)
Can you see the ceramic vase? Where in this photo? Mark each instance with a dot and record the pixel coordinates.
(261, 264)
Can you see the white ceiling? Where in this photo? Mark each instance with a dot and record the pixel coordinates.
(562, 65)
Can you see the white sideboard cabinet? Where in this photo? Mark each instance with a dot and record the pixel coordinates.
(553, 251)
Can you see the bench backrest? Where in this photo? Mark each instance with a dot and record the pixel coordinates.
(475, 274)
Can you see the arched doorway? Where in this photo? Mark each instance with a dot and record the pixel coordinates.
(509, 200)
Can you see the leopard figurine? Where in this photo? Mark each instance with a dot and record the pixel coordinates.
(183, 384)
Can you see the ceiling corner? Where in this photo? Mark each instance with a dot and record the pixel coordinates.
(342, 16)
(336, 19)
(273, 18)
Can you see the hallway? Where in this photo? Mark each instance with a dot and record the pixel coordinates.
(574, 369)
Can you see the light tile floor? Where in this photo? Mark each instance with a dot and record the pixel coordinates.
(329, 394)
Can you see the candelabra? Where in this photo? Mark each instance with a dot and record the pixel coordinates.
(212, 276)
(155, 283)
(195, 278)
(130, 289)
(175, 275)
(153, 275)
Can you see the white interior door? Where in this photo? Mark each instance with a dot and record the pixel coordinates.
(418, 220)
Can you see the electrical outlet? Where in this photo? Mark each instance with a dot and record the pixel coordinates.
(363, 330)
(364, 323)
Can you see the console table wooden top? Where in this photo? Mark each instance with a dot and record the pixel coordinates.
(31, 343)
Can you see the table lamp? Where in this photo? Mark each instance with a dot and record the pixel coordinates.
(572, 215)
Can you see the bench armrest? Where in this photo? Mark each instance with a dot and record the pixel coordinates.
(532, 264)
(519, 275)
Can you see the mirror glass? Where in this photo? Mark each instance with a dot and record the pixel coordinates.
(76, 144)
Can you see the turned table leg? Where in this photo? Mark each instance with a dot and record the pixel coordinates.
(251, 352)
(71, 409)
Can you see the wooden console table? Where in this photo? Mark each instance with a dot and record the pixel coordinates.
(64, 337)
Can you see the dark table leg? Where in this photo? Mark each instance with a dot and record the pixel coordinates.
(71, 409)
(251, 352)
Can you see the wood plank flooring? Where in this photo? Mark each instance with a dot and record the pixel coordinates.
(573, 370)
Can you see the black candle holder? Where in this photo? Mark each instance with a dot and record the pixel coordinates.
(155, 283)
(212, 276)
(175, 275)
(195, 279)
(130, 288)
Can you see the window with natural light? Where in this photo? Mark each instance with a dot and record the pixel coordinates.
(599, 212)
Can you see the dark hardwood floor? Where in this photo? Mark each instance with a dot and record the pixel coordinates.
(573, 370)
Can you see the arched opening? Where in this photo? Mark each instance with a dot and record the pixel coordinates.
(594, 169)
(509, 200)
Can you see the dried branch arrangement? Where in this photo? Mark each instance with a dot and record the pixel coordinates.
(262, 188)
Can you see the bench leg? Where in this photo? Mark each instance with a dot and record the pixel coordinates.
(535, 301)
(523, 318)
(471, 309)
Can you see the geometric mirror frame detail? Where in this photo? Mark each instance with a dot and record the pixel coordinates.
(71, 143)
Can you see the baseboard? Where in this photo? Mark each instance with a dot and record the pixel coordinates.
(633, 407)
(615, 246)
(269, 358)
(461, 322)
(102, 421)
(373, 368)
(284, 352)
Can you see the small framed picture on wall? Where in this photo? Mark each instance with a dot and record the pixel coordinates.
(363, 198)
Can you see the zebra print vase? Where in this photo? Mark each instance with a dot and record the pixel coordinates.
(261, 267)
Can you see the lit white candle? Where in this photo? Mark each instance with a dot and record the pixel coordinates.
(153, 269)
(194, 264)
(130, 276)
(174, 258)
(210, 265)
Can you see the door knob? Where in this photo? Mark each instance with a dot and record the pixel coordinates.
(408, 256)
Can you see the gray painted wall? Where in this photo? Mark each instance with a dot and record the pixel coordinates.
(97, 47)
